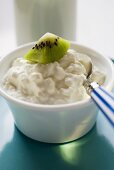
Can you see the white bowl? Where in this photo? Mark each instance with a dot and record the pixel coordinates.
(55, 123)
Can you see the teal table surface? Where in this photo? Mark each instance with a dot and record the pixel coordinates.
(94, 151)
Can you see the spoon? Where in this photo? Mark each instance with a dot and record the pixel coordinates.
(103, 99)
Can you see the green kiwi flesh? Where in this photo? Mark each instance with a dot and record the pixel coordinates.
(49, 48)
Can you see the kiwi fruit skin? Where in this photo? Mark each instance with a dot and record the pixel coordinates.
(48, 49)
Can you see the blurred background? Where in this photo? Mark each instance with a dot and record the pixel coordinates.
(89, 22)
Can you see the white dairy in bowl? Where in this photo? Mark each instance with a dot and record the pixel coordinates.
(54, 83)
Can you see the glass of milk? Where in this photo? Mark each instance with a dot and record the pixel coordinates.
(33, 18)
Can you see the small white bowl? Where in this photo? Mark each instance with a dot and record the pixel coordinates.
(55, 123)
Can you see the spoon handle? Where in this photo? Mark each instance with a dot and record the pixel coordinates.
(104, 100)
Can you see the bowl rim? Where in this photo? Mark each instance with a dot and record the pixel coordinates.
(68, 106)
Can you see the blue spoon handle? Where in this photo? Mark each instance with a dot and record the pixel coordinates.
(104, 100)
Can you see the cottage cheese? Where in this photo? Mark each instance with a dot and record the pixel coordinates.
(55, 83)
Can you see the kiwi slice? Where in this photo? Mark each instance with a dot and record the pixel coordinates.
(49, 48)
